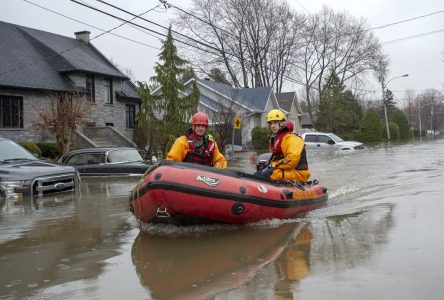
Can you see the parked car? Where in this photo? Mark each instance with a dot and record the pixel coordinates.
(23, 174)
(329, 141)
(106, 161)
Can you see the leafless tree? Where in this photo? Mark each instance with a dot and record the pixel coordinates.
(223, 113)
(66, 111)
(253, 40)
(336, 42)
(430, 104)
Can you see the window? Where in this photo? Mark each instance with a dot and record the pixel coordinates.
(310, 138)
(108, 91)
(86, 159)
(130, 116)
(90, 88)
(11, 112)
(324, 139)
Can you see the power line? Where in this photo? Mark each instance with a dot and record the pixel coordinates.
(89, 25)
(119, 18)
(408, 20)
(180, 41)
(412, 37)
(72, 48)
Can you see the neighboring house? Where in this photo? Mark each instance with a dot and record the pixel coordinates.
(289, 103)
(306, 122)
(34, 65)
(223, 102)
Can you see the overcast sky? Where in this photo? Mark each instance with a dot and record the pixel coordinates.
(421, 57)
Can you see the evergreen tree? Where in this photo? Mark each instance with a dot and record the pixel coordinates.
(147, 131)
(174, 109)
(330, 105)
(188, 74)
(339, 110)
(390, 103)
(218, 76)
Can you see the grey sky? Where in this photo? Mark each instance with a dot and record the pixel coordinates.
(420, 57)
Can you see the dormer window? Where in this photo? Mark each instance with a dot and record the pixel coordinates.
(108, 91)
(90, 88)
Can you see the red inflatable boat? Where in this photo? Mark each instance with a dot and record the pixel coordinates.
(185, 194)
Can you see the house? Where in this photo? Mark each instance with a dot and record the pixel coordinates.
(35, 65)
(223, 103)
(289, 103)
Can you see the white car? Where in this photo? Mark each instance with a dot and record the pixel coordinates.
(329, 141)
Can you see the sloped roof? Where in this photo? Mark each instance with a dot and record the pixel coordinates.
(128, 91)
(306, 121)
(285, 100)
(254, 99)
(36, 59)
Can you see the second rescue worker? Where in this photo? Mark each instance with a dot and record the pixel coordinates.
(288, 160)
(195, 146)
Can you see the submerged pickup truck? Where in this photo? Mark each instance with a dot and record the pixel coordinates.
(23, 174)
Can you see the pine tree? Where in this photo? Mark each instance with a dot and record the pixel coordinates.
(339, 111)
(330, 104)
(175, 110)
(391, 105)
(147, 131)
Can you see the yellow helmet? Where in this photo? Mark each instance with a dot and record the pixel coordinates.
(275, 115)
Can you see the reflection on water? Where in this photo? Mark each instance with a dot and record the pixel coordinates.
(46, 241)
(378, 237)
(202, 266)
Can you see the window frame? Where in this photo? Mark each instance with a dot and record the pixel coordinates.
(15, 117)
(109, 99)
(90, 86)
(130, 120)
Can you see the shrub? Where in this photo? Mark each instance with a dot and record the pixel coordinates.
(400, 118)
(260, 137)
(371, 127)
(50, 150)
(394, 131)
(32, 147)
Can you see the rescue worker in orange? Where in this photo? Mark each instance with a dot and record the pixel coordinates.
(289, 159)
(195, 146)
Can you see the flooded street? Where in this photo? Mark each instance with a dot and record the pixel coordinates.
(377, 238)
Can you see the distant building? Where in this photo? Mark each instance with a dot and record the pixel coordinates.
(289, 103)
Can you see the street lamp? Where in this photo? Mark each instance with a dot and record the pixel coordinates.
(384, 86)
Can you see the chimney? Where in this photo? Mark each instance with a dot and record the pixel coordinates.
(82, 36)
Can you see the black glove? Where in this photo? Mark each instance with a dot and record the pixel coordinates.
(267, 171)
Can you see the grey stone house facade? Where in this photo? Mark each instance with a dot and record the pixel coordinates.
(35, 65)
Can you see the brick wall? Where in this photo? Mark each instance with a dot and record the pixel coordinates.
(100, 112)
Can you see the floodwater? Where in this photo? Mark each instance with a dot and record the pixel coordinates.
(379, 237)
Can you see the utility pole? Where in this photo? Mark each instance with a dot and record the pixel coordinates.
(431, 122)
(381, 79)
(385, 107)
(419, 113)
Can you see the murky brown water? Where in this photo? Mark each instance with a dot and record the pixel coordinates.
(379, 237)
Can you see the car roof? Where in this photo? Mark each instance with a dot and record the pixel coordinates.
(99, 149)
(317, 133)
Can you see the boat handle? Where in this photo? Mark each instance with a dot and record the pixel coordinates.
(162, 212)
